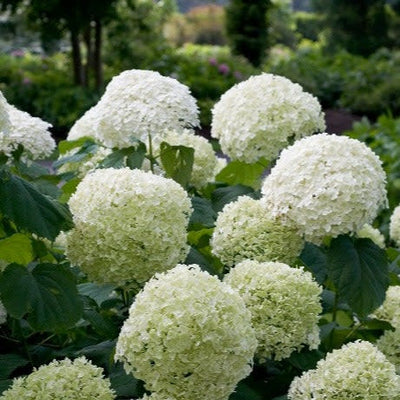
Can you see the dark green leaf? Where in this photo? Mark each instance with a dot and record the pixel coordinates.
(5, 384)
(29, 209)
(222, 196)
(359, 270)
(98, 293)
(88, 148)
(16, 249)
(9, 363)
(195, 257)
(314, 258)
(66, 145)
(203, 215)
(305, 360)
(47, 294)
(240, 173)
(125, 385)
(245, 392)
(177, 162)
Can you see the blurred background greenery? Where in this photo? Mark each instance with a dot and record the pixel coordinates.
(56, 56)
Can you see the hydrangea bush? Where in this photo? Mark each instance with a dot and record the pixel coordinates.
(187, 335)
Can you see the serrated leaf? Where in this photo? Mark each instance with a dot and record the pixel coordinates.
(203, 215)
(359, 270)
(314, 258)
(29, 209)
(222, 196)
(16, 249)
(9, 363)
(240, 173)
(177, 162)
(47, 295)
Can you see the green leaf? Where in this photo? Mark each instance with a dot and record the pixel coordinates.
(29, 209)
(131, 157)
(314, 258)
(245, 392)
(306, 359)
(66, 145)
(359, 270)
(203, 215)
(16, 249)
(47, 294)
(240, 173)
(98, 293)
(88, 148)
(177, 162)
(9, 363)
(222, 196)
(125, 385)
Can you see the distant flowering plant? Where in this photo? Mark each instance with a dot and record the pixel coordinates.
(188, 334)
(357, 370)
(326, 185)
(284, 303)
(62, 380)
(258, 117)
(244, 229)
(138, 104)
(129, 224)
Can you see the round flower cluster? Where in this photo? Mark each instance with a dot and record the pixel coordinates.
(326, 185)
(188, 336)
(62, 380)
(394, 228)
(86, 125)
(205, 160)
(390, 309)
(369, 232)
(389, 345)
(137, 104)
(129, 224)
(284, 303)
(5, 124)
(245, 230)
(358, 370)
(258, 117)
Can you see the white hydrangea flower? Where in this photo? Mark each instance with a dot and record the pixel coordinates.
(389, 345)
(390, 309)
(62, 380)
(129, 224)
(3, 313)
(356, 371)
(21, 128)
(140, 103)
(188, 336)
(369, 232)
(88, 164)
(221, 164)
(86, 125)
(284, 303)
(158, 396)
(259, 117)
(245, 230)
(326, 185)
(394, 228)
(205, 160)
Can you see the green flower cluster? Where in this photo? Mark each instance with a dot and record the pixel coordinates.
(284, 303)
(246, 230)
(129, 224)
(188, 336)
(355, 371)
(62, 380)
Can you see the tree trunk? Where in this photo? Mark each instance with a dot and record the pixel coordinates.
(77, 59)
(98, 66)
(87, 36)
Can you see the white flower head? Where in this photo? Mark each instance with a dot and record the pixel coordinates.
(205, 160)
(86, 125)
(188, 335)
(140, 103)
(258, 117)
(244, 229)
(394, 228)
(369, 232)
(389, 345)
(62, 380)
(326, 185)
(5, 124)
(356, 371)
(390, 309)
(284, 303)
(129, 224)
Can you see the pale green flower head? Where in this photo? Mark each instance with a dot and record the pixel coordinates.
(389, 345)
(355, 371)
(188, 335)
(258, 117)
(394, 228)
(284, 303)
(245, 229)
(369, 232)
(62, 380)
(129, 224)
(205, 160)
(326, 185)
(390, 309)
